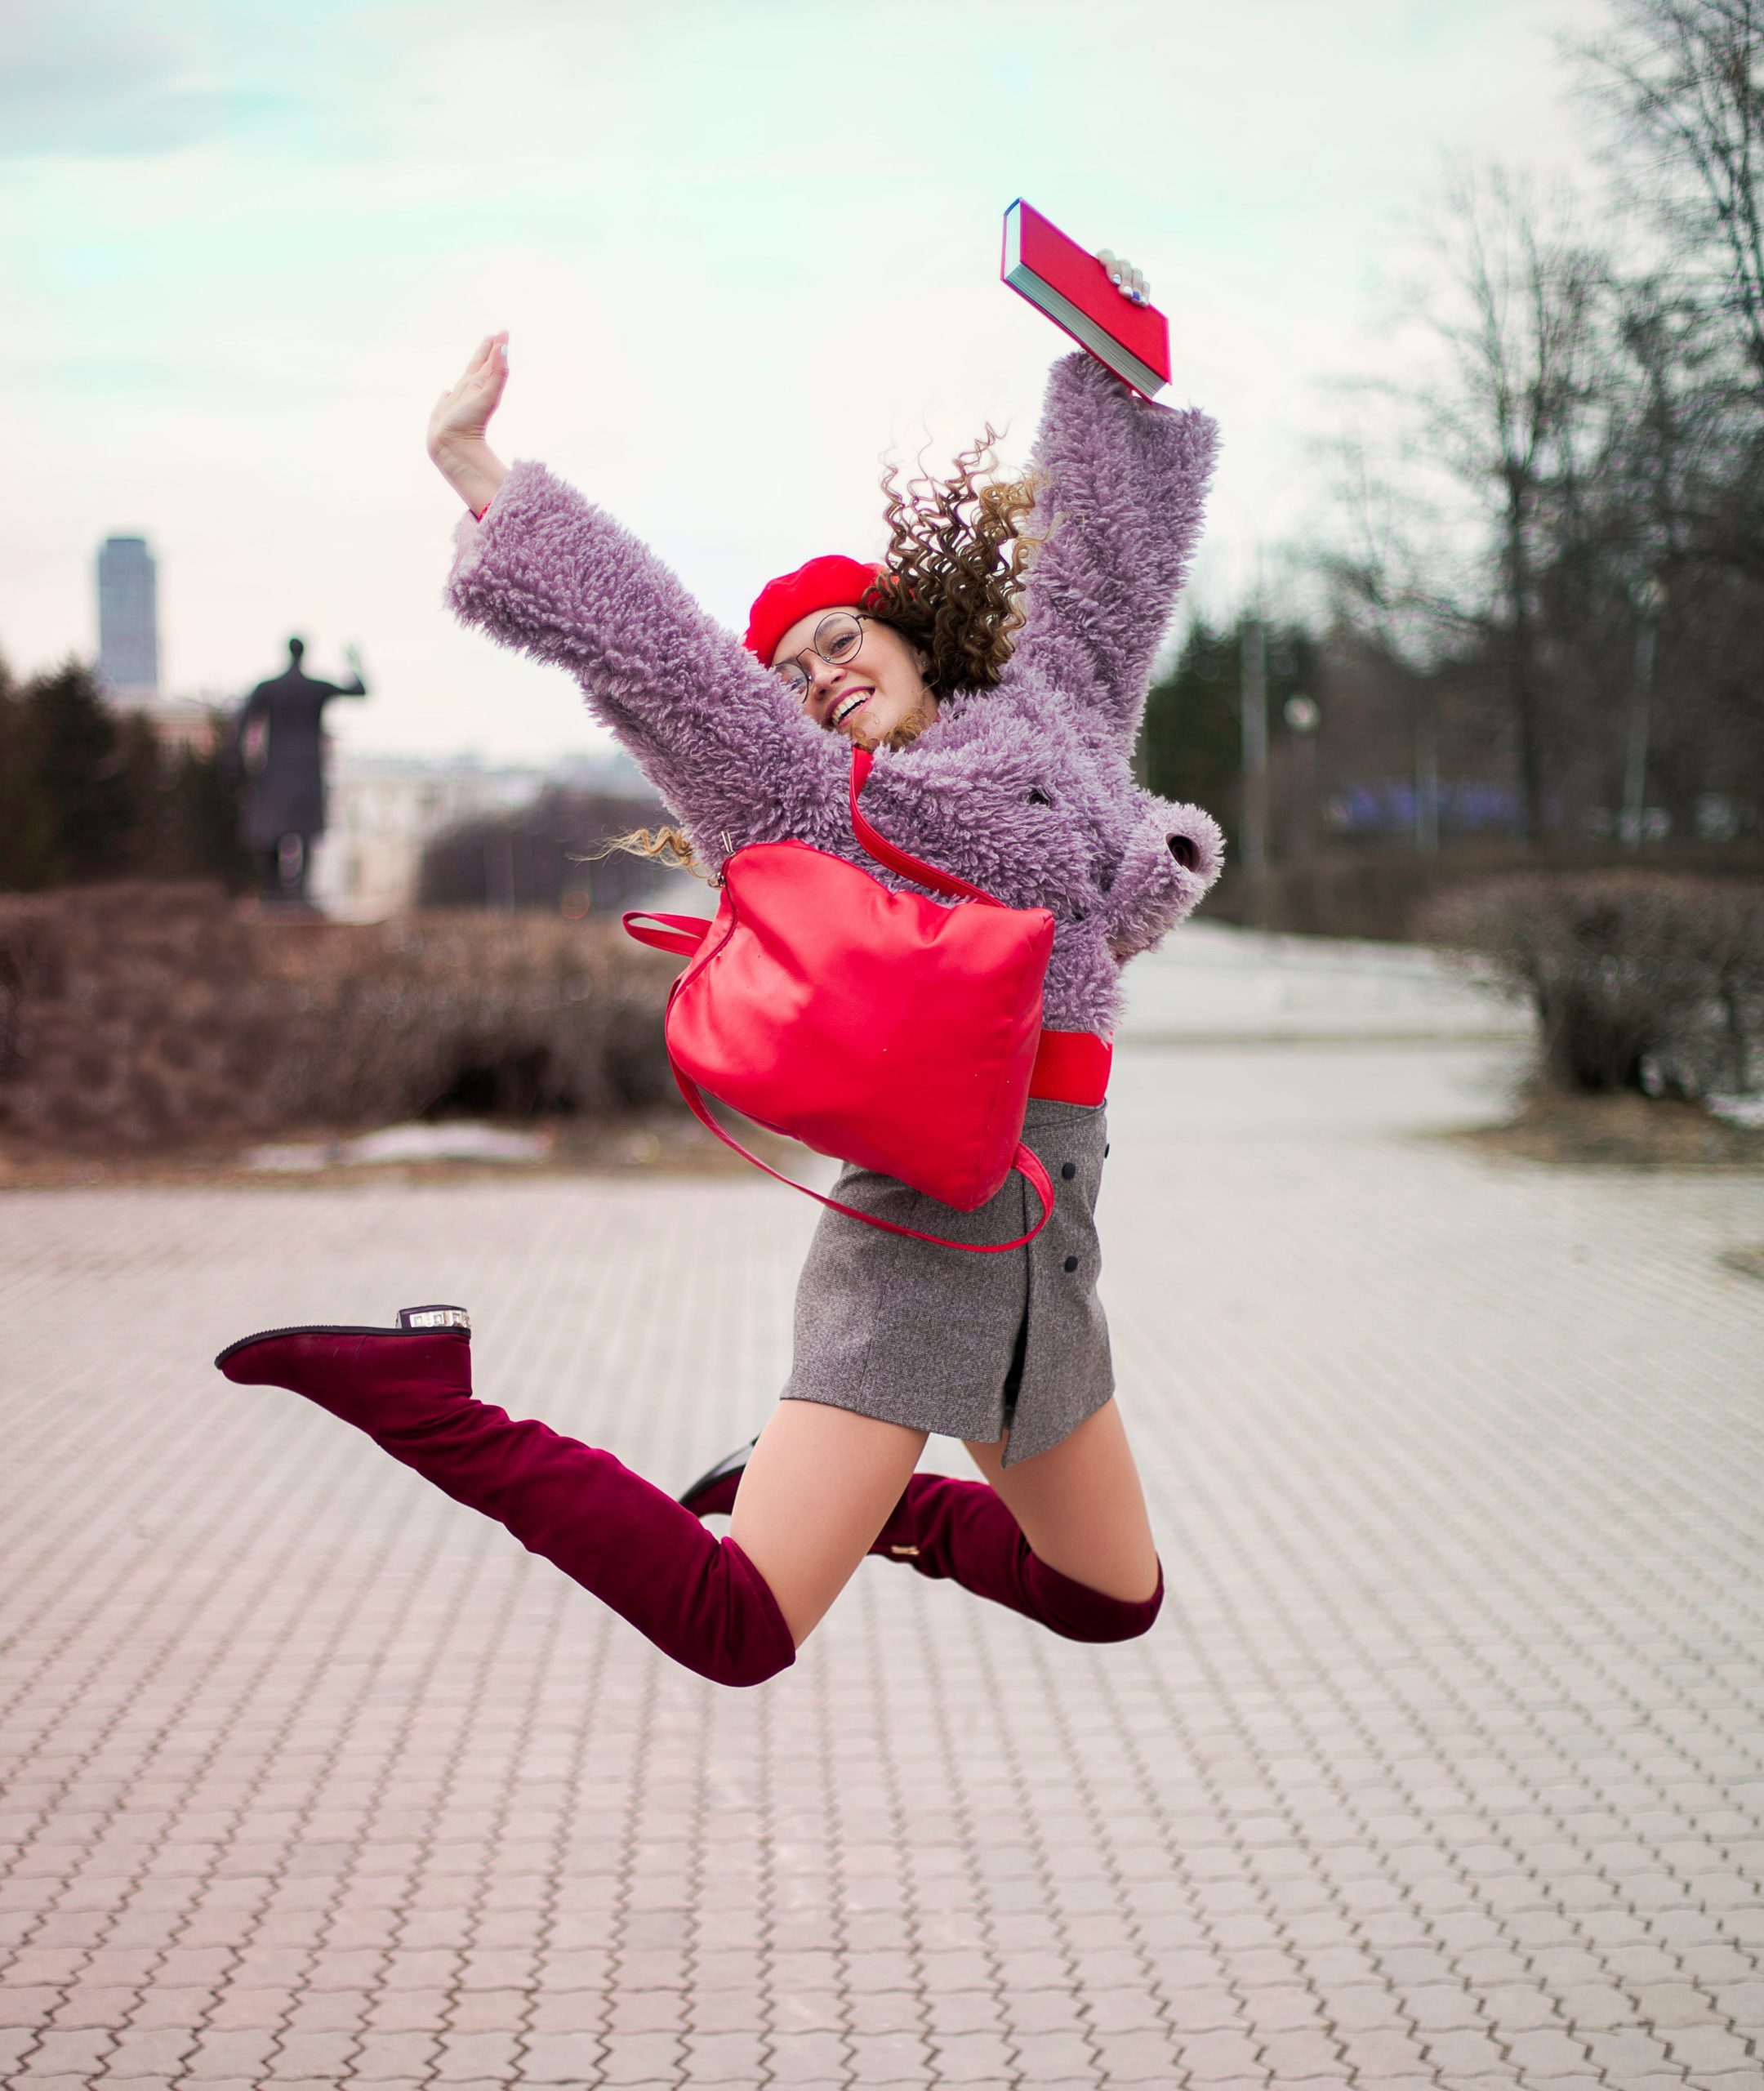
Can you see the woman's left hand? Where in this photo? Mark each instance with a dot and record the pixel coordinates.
(1125, 278)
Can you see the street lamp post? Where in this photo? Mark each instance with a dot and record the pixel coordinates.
(1253, 709)
(1302, 717)
(1426, 769)
(1634, 814)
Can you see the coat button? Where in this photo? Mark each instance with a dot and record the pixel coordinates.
(1069, 1170)
(1072, 1263)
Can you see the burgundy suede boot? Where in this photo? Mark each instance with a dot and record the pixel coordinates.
(961, 1531)
(699, 1600)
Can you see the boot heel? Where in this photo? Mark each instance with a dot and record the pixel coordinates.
(712, 1494)
(434, 1317)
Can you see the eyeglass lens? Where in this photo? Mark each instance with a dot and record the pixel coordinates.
(837, 639)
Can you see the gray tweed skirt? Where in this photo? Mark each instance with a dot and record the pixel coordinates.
(975, 1347)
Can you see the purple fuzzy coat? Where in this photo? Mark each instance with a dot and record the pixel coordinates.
(1025, 789)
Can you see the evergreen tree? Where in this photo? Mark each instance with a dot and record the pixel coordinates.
(89, 793)
(1192, 743)
(205, 795)
(28, 859)
(83, 770)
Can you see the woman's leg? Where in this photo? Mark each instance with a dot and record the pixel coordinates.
(817, 1488)
(1081, 1562)
(705, 1602)
(1080, 1506)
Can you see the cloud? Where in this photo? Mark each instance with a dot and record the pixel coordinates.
(96, 78)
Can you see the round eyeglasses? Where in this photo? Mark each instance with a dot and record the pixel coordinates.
(836, 640)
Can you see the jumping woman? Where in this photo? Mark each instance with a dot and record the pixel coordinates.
(996, 661)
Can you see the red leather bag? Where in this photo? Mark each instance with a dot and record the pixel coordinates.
(873, 1026)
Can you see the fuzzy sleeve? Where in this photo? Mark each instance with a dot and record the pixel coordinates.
(1173, 854)
(1123, 485)
(550, 573)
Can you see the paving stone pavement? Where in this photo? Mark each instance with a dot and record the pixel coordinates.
(1444, 1766)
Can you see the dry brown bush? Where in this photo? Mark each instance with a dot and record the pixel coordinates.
(1640, 982)
(136, 1017)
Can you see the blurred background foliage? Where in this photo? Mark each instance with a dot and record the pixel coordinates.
(88, 791)
(138, 1016)
(549, 856)
(1534, 608)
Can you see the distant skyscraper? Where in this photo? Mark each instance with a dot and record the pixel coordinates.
(128, 618)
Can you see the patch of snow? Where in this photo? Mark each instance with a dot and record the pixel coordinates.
(291, 1159)
(1739, 1110)
(464, 1140)
(461, 1141)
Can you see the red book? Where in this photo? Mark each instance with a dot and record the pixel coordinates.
(1073, 288)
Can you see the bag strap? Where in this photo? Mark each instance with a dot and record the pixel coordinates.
(1024, 1159)
(681, 934)
(896, 859)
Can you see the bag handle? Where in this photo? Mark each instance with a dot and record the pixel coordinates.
(681, 934)
(1024, 1159)
(896, 859)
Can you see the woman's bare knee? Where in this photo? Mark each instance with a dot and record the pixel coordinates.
(1081, 1507)
(817, 1488)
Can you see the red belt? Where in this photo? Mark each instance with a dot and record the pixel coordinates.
(1071, 1066)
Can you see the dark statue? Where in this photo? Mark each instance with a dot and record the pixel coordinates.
(279, 744)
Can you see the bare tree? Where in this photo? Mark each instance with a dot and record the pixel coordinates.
(1681, 86)
(1488, 448)
(1559, 522)
(1682, 82)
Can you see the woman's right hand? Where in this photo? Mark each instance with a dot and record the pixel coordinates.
(461, 415)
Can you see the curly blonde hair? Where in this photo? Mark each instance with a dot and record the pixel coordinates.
(952, 588)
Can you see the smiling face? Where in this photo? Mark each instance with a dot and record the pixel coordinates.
(878, 695)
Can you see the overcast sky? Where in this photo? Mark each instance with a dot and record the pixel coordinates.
(743, 248)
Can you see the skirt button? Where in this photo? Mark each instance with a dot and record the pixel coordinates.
(1069, 1170)
(1072, 1263)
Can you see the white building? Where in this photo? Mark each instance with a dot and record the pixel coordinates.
(383, 810)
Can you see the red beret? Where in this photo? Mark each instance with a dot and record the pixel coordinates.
(823, 584)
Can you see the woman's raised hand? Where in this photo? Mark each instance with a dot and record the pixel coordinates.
(1125, 278)
(462, 414)
(457, 424)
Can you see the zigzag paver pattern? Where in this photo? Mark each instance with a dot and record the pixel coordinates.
(1445, 1766)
